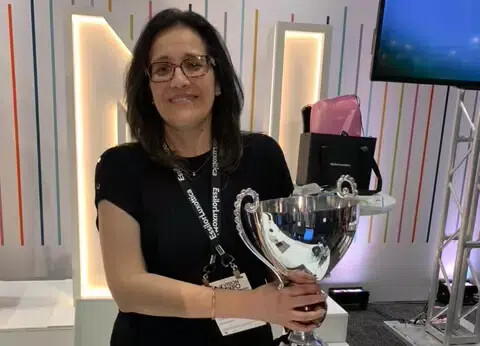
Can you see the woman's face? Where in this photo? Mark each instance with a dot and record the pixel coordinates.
(183, 102)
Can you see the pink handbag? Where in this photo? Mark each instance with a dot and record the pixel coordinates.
(336, 116)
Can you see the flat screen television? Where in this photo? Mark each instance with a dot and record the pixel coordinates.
(428, 42)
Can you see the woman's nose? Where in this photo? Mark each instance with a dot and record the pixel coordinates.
(179, 79)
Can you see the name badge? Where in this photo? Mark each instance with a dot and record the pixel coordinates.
(229, 326)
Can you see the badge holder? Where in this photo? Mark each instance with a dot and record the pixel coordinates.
(208, 269)
(227, 260)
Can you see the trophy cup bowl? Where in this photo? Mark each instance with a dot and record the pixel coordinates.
(308, 233)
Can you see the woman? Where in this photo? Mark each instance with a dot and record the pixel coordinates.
(154, 199)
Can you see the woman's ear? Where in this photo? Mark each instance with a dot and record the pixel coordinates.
(218, 92)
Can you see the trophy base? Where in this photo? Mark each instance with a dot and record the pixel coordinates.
(305, 339)
(315, 343)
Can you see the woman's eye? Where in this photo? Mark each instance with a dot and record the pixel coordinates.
(162, 69)
(193, 64)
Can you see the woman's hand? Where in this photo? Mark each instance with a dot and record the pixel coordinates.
(284, 307)
(301, 277)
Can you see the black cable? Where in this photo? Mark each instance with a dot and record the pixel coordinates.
(417, 317)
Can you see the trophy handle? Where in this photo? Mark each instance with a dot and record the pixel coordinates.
(352, 226)
(343, 192)
(251, 208)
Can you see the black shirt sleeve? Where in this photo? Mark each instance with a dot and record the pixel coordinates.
(275, 179)
(118, 179)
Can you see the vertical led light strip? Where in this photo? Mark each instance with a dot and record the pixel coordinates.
(254, 70)
(395, 150)
(37, 122)
(379, 152)
(242, 33)
(440, 145)
(89, 288)
(225, 25)
(79, 130)
(409, 156)
(359, 58)
(55, 120)
(315, 82)
(311, 45)
(419, 189)
(369, 102)
(15, 125)
(131, 26)
(342, 53)
(360, 41)
(380, 139)
(369, 108)
(150, 10)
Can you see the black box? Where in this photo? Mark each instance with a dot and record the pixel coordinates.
(443, 295)
(323, 158)
(350, 296)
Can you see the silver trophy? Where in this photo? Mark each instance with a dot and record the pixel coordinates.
(307, 233)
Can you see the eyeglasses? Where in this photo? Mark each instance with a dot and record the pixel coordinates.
(192, 67)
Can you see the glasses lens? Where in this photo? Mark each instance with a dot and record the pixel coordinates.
(195, 66)
(161, 71)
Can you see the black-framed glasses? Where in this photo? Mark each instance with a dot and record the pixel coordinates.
(192, 67)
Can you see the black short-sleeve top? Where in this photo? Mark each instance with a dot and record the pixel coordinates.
(173, 242)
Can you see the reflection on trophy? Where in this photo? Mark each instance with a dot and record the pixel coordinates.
(306, 232)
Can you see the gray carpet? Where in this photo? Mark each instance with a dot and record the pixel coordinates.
(366, 328)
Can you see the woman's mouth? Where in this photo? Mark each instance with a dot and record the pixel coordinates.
(183, 99)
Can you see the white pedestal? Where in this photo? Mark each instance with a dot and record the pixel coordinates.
(42, 313)
(96, 331)
(334, 328)
(94, 320)
(379, 203)
(37, 313)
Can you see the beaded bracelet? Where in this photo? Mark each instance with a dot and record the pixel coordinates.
(214, 299)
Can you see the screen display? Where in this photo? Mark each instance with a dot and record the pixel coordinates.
(428, 41)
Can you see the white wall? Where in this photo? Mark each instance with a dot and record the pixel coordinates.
(391, 269)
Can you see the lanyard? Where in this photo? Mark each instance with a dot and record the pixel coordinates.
(211, 229)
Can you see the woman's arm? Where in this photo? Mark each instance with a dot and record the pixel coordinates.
(135, 290)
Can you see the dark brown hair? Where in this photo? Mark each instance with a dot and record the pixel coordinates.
(147, 126)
